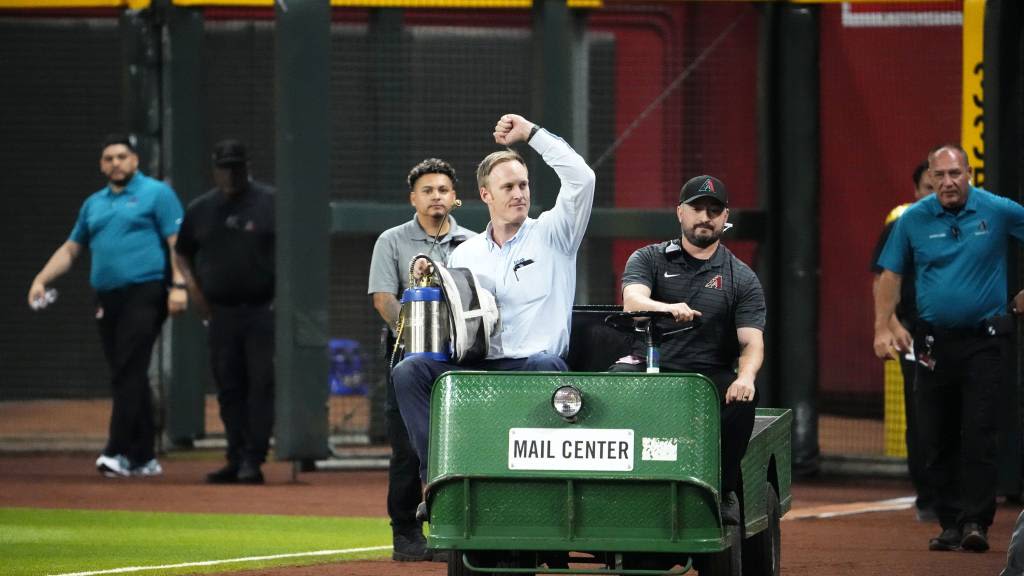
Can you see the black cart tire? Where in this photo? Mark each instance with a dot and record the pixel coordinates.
(728, 562)
(455, 565)
(761, 552)
(481, 559)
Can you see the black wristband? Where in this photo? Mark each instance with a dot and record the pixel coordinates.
(533, 131)
(181, 285)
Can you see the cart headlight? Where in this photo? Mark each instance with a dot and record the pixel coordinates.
(567, 401)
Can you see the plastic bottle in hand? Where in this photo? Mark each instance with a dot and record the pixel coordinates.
(48, 297)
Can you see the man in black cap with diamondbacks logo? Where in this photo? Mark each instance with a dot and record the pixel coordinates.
(226, 252)
(696, 278)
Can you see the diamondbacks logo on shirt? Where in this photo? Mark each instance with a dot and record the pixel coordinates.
(715, 282)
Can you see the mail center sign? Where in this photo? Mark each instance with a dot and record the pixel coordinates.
(570, 449)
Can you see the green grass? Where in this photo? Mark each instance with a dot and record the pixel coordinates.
(37, 542)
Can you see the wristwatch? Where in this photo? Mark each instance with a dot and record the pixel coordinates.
(180, 285)
(534, 130)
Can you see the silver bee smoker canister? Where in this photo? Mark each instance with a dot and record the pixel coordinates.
(426, 323)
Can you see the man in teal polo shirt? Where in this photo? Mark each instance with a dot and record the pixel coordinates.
(957, 240)
(128, 226)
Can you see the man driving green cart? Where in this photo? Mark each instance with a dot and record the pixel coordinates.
(696, 278)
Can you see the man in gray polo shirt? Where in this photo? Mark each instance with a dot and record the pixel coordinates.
(432, 231)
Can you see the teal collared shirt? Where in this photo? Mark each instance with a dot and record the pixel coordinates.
(126, 232)
(959, 259)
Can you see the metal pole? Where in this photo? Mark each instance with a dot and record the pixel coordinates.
(185, 165)
(560, 98)
(795, 324)
(303, 178)
(768, 261)
(1002, 147)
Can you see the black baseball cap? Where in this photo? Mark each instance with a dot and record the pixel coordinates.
(229, 152)
(126, 140)
(701, 186)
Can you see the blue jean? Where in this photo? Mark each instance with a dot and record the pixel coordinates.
(414, 380)
(1015, 552)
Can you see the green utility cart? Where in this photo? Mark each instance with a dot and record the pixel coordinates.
(629, 484)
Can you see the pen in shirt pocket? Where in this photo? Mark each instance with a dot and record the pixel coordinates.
(520, 264)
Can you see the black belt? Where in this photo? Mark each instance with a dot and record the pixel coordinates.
(995, 326)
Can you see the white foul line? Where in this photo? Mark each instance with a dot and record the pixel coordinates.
(851, 508)
(828, 511)
(227, 561)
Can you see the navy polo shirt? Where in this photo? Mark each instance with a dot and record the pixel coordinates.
(230, 242)
(959, 259)
(126, 232)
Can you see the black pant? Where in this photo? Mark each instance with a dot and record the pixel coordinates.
(915, 452)
(129, 321)
(242, 355)
(737, 423)
(957, 405)
(405, 491)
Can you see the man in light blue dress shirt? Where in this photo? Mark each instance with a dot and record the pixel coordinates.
(528, 264)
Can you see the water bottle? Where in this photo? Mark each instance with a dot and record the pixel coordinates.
(48, 297)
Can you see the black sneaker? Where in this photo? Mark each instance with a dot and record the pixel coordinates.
(410, 547)
(975, 537)
(249, 473)
(226, 475)
(948, 540)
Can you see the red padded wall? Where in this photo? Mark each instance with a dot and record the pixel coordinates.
(888, 95)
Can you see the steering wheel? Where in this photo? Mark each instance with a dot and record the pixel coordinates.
(646, 322)
(654, 332)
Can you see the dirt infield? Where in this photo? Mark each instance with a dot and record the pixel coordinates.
(883, 543)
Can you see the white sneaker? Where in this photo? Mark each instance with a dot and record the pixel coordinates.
(151, 468)
(113, 466)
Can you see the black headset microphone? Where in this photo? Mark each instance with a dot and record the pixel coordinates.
(437, 235)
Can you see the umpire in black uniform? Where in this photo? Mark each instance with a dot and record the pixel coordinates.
(696, 277)
(226, 251)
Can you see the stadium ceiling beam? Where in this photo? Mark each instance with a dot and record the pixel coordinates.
(408, 4)
(481, 4)
(51, 4)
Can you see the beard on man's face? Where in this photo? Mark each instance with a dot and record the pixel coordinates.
(703, 240)
(123, 180)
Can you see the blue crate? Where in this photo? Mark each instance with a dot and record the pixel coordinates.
(346, 375)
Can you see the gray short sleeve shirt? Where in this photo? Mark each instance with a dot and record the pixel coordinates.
(396, 247)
